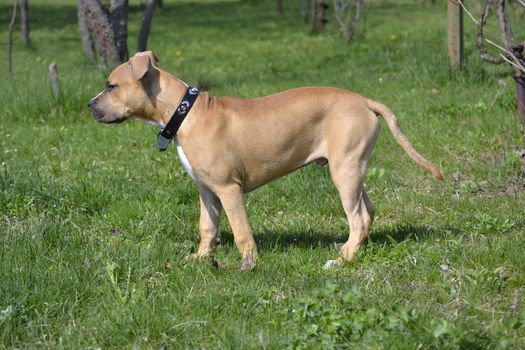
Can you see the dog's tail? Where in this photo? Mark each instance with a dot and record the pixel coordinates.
(393, 125)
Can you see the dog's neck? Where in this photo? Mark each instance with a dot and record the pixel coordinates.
(167, 100)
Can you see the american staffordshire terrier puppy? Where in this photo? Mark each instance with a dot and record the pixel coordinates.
(231, 146)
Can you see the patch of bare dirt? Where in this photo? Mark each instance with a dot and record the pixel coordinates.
(514, 185)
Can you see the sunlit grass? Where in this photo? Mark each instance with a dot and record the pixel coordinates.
(95, 223)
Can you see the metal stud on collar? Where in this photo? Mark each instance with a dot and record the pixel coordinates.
(162, 142)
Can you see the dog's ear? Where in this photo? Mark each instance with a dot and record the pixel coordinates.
(153, 57)
(142, 62)
(139, 65)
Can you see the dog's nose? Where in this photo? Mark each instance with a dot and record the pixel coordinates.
(91, 103)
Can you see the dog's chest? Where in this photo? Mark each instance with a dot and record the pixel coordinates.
(184, 160)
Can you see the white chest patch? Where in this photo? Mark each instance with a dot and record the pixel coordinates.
(184, 160)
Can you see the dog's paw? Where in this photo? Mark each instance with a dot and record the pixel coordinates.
(214, 263)
(338, 246)
(191, 257)
(198, 258)
(195, 256)
(331, 263)
(248, 263)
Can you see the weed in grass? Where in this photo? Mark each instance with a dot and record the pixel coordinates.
(333, 317)
(484, 224)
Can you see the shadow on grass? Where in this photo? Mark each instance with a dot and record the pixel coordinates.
(311, 238)
(391, 235)
(304, 239)
(44, 16)
(217, 14)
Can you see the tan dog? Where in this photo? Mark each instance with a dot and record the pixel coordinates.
(231, 146)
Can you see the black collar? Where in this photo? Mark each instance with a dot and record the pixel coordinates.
(166, 135)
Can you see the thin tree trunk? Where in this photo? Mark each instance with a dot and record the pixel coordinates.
(305, 10)
(10, 39)
(520, 98)
(322, 15)
(118, 10)
(455, 35)
(24, 19)
(280, 6)
(348, 14)
(313, 15)
(146, 25)
(99, 24)
(159, 3)
(85, 34)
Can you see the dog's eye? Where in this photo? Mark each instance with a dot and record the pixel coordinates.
(110, 87)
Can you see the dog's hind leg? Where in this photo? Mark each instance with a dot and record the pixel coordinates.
(349, 148)
(210, 217)
(369, 206)
(348, 178)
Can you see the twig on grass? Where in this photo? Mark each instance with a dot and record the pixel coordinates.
(189, 323)
(460, 158)
(53, 75)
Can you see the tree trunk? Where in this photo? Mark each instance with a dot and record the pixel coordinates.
(85, 34)
(10, 39)
(100, 26)
(304, 9)
(322, 15)
(119, 21)
(455, 34)
(348, 14)
(520, 98)
(313, 15)
(146, 25)
(24, 19)
(280, 6)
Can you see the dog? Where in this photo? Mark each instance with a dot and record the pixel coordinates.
(231, 146)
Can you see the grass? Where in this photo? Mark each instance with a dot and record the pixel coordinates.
(95, 223)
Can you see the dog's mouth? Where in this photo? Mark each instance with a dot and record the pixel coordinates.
(100, 117)
(115, 121)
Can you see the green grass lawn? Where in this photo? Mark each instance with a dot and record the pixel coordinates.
(95, 223)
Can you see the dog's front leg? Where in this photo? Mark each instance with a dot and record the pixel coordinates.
(210, 218)
(232, 199)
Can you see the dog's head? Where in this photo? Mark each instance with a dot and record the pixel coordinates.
(128, 91)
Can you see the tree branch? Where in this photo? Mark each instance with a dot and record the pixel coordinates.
(485, 56)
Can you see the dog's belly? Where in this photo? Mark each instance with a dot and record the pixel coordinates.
(259, 171)
(250, 166)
